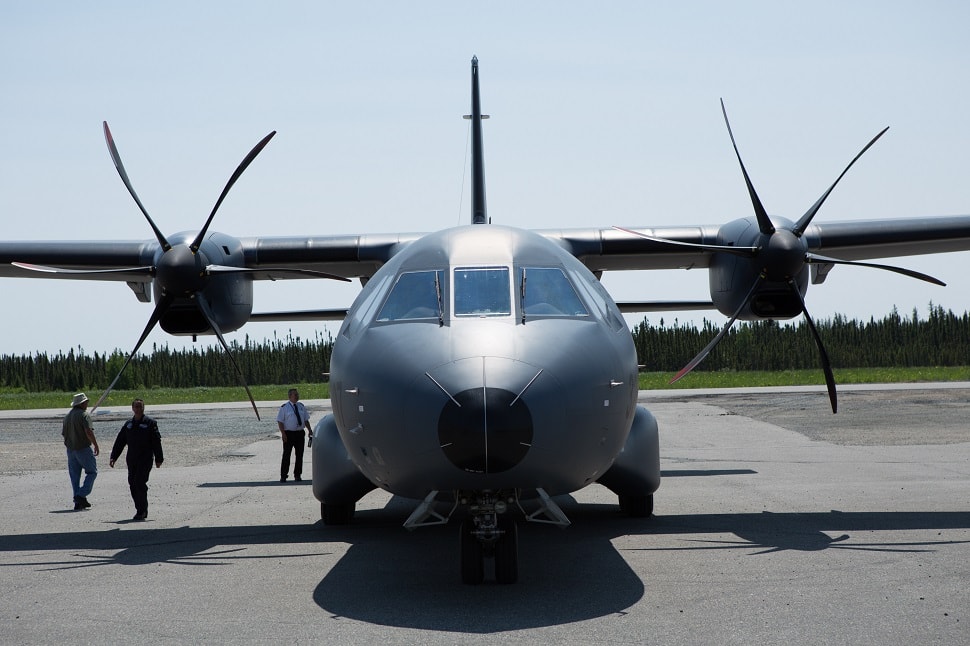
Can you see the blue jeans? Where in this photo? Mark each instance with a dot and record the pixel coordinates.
(82, 459)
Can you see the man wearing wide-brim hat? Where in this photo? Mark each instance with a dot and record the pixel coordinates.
(82, 449)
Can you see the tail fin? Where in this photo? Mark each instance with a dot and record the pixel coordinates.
(479, 213)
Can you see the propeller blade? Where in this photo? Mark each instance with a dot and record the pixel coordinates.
(126, 271)
(116, 158)
(226, 269)
(826, 366)
(710, 346)
(806, 219)
(745, 252)
(764, 224)
(207, 312)
(160, 309)
(243, 165)
(815, 259)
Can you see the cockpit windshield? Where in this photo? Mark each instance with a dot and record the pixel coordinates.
(415, 295)
(482, 291)
(545, 291)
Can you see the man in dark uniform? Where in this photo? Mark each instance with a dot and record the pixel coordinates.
(144, 443)
(292, 418)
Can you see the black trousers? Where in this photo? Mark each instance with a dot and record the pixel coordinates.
(294, 440)
(138, 483)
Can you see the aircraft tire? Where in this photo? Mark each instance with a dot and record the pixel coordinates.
(637, 506)
(336, 513)
(472, 556)
(507, 552)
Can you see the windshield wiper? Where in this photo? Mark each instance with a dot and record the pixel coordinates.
(437, 292)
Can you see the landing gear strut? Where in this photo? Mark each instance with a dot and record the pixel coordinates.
(489, 533)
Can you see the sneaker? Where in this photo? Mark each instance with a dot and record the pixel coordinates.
(282, 478)
(83, 501)
(78, 505)
(142, 515)
(298, 478)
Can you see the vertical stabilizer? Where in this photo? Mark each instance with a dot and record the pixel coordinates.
(479, 213)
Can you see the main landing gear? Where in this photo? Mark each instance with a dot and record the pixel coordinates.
(337, 513)
(637, 506)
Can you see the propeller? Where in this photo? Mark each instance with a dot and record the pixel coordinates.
(181, 270)
(779, 256)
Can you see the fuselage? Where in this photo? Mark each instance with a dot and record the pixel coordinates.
(483, 358)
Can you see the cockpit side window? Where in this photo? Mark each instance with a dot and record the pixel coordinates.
(600, 298)
(482, 291)
(365, 310)
(545, 291)
(415, 295)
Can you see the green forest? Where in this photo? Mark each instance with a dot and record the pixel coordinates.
(941, 338)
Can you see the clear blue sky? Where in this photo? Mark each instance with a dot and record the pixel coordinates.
(602, 114)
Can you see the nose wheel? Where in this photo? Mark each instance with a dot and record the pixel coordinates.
(472, 554)
(488, 535)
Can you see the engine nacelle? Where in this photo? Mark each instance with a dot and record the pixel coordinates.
(732, 277)
(229, 295)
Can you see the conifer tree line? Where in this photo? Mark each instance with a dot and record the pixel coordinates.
(288, 360)
(940, 339)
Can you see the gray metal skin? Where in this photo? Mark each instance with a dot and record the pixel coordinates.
(391, 381)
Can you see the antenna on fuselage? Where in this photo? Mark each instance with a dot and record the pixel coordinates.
(479, 214)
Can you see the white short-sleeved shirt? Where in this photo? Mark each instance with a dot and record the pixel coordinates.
(289, 419)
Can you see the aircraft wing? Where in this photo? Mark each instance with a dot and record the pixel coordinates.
(600, 249)
(78, 257)
(337, 314)
(633, 307)
(350, 256)
(269, 258)
(611, 250)
(871, 239)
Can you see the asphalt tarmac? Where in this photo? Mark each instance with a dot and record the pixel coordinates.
(776, 523)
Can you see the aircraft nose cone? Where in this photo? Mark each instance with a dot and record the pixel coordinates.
(485, 430)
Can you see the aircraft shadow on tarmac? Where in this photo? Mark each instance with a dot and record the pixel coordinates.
(566, 576)
(392, 577)
(255, 483)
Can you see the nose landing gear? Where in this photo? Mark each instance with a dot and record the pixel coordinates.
(488, 533)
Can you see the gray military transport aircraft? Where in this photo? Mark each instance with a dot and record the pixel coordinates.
(483, 369)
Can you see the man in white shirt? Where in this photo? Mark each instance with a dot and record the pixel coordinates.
(293, 418)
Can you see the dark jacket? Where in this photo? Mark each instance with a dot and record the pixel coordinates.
(143, 441)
